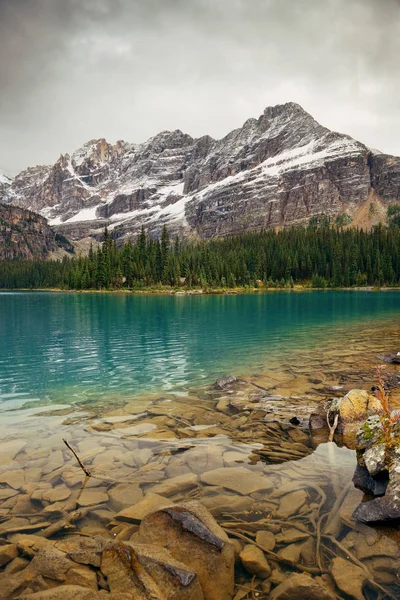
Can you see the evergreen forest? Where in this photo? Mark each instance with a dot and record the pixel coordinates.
(317, 256)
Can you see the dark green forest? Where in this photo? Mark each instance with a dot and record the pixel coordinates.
(320, 256)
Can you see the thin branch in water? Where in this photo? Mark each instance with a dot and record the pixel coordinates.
(80, 463)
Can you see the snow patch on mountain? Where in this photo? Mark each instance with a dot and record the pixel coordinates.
(280, 168)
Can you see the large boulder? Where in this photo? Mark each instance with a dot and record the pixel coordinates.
(351, 412)
(194, 538)
(355, 407)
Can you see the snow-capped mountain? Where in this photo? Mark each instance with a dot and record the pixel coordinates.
(5, 188)
(279, 169)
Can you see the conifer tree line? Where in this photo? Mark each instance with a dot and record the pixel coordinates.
(322, 256)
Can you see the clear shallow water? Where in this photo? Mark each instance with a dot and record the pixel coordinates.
(58, 348)
(65, 347)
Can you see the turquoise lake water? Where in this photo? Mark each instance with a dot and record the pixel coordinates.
(58, 347)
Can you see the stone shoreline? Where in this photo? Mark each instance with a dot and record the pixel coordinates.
(240, 449)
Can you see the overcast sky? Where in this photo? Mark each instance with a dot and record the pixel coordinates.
(73, 70)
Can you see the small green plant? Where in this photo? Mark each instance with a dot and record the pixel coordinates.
(386, 418)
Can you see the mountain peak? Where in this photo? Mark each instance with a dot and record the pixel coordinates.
(288, 108)
(279, 169)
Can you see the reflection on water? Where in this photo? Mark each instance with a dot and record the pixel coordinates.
(53, 345)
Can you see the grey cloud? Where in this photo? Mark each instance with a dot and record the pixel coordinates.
(71, 70)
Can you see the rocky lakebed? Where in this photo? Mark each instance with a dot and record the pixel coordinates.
(226, 491)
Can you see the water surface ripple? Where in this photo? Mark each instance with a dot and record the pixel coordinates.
(55, 344)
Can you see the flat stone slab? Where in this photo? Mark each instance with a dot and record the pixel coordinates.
(175, 485)
(91, 497)
(14, 479)
(10, 449)
(150, 503)
(238, 479)
(291, 504)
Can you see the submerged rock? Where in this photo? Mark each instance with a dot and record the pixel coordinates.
(391, 358)
(193, 537)
(291, 504)
(67, 592)
(8, 553)
(238, 479)
(150, 503)
(298, 586)
(147, 572)
(223, 382)
(123, 495)
(175, 485)
(254, 561)
(348, 577)
(266, 539)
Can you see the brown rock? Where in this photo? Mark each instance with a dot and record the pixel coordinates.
(266, 539)
(10, 449)
(150, 503)
(238, 479)
(348, 577)
(193, 537)
(16, 565)
(14, 479)
(91, 497)
(19, 524)
(357, 405)
(254, 561)
(51, 563)
(73, 476)
(226, 503)
(7, 493)
(29, 545)
(67, 592)
(307, 552)
(61, 492)
(8, 553)
(277, 576)
(85, 551)
(204, 458)
(300, 587)
(124, 576)
(124, 495)
(83, 576)
(175, 485)
(291, 504)
(291, 553)
(173, 577)
(289, 536)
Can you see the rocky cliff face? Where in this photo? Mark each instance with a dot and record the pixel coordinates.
(5, 188)
(277, 170)
(24, 234)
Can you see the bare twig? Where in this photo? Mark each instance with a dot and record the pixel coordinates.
(80, 463)
(332, 428)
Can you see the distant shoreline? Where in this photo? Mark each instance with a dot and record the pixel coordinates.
(208, 292)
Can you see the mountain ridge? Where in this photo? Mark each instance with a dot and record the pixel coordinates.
(25, 235)
(278, 169)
